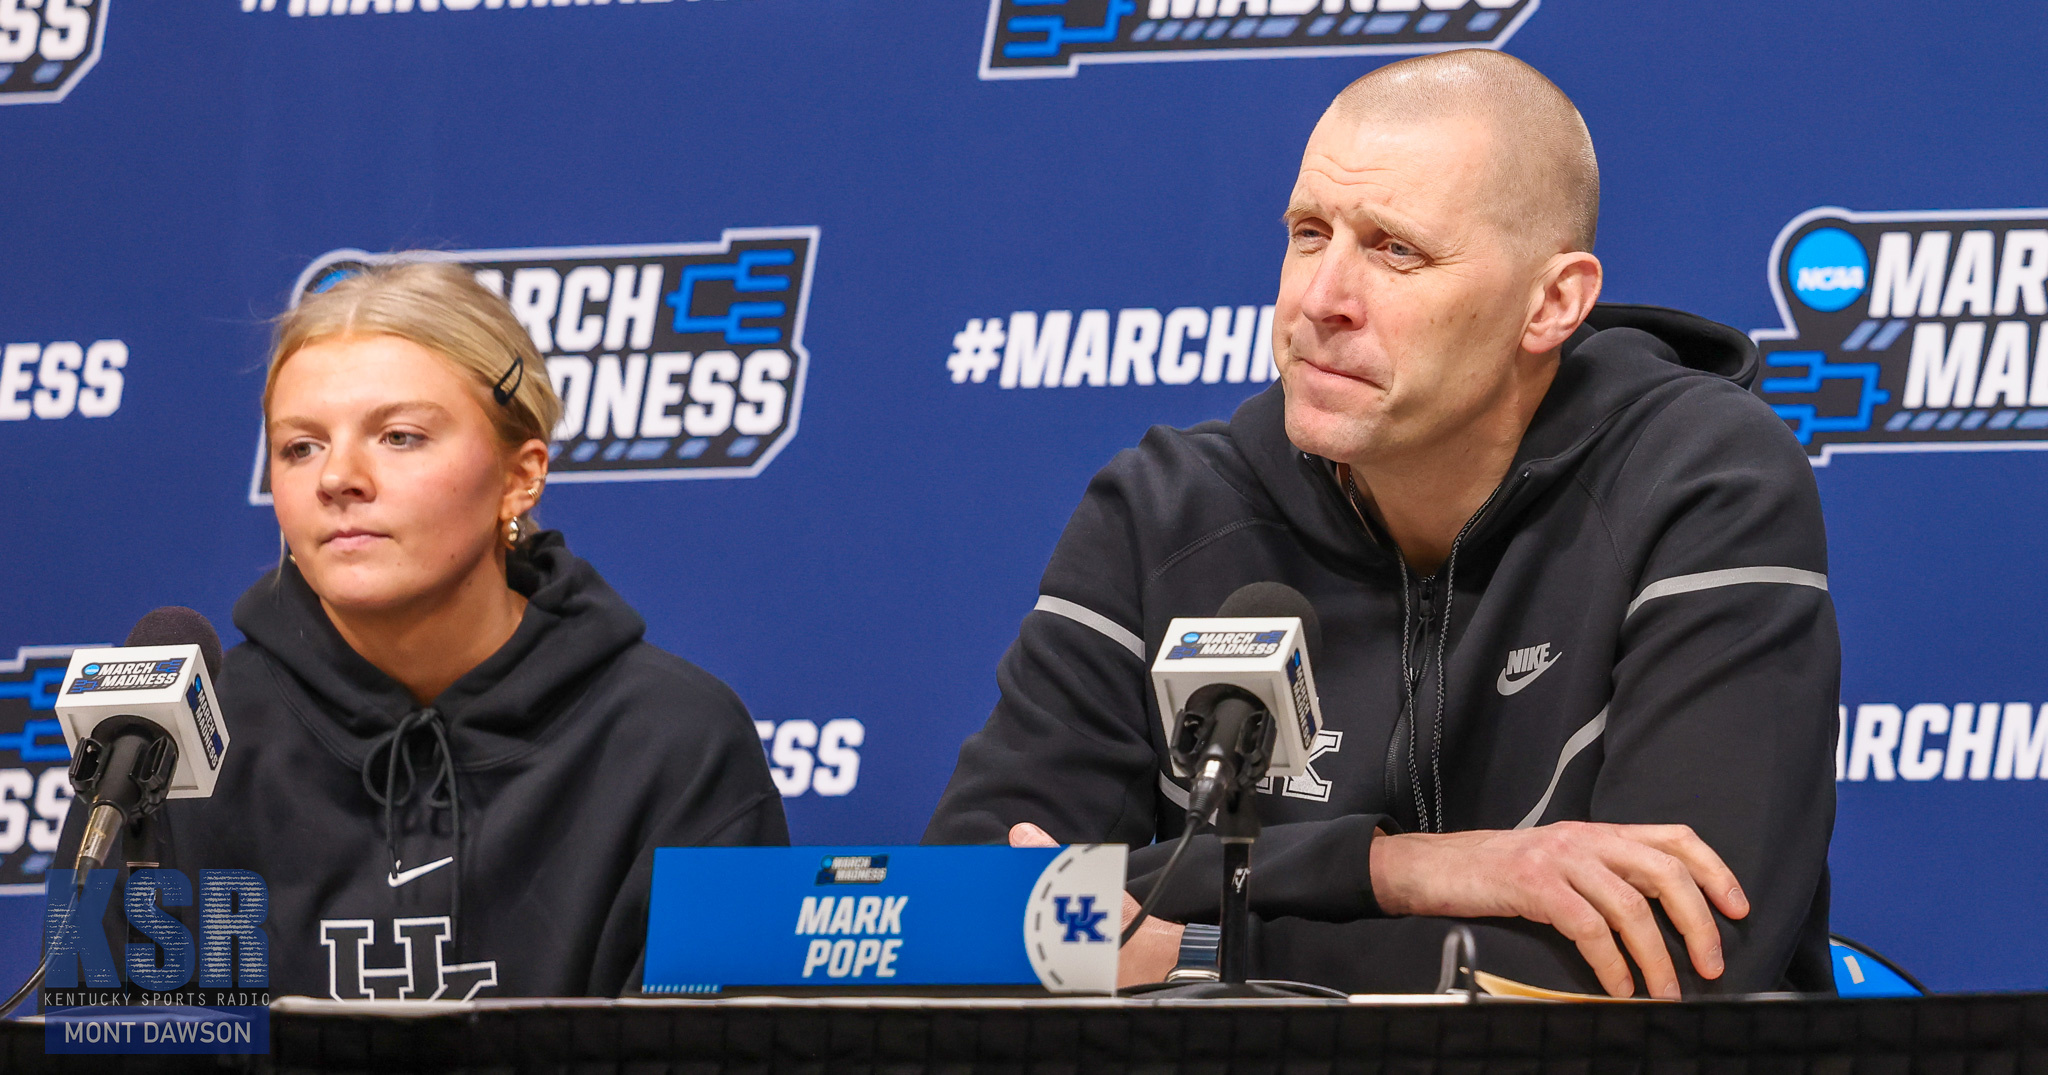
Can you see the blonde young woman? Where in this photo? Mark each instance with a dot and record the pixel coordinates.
(454, 752)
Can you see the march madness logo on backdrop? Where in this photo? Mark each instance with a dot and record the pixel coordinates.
(1910, 332)
(46, 47)
(684, 360)
(35, 785)
(1052, 38)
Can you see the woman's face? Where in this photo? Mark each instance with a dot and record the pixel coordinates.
(391, 486)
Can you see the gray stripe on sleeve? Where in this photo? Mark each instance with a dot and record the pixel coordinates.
(1573, 747)
(1705, 580)
(1734, 576)
(1088, 617)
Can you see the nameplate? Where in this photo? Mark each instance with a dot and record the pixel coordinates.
(859, 918)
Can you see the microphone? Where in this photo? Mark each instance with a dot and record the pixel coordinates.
(143, 724)
(1237, 692)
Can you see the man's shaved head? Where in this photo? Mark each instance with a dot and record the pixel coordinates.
(1547, 180)
(1438, 258)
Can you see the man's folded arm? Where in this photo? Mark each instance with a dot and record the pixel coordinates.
(1723, 715)
(1318, 870)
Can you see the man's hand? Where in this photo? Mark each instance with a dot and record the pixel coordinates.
(1151, 954)
(1591, 881)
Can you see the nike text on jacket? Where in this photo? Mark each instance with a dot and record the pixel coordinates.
(524, 803)
(1636, 628)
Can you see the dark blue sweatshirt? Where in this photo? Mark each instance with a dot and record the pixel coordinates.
(573, 752)
(1635, 628)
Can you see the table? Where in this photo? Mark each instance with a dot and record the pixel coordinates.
(1987, 1034)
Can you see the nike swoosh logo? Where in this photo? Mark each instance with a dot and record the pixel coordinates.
(1508, 686)
(418, 872)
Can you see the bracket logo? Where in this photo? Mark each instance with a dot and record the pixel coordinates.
(1052, 38)
(1910, 332)
(35, 787)
(44, 53)
(684, 360)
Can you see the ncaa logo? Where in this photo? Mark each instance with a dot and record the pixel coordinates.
(1828, 269)
(46, 46)
(675, 361)
(1910, 332)
(1052, 38)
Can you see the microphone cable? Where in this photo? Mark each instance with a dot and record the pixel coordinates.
(1165, 874)
(27, 988)
(35, 978)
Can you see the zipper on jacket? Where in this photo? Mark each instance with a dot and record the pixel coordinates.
(1414, 641)
(1425, 608)
(1425, 601)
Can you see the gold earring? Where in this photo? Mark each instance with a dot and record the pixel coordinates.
(512, 533)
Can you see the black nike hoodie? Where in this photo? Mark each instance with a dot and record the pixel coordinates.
(1634, 628)
(496, 842)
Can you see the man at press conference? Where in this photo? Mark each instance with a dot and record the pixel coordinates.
(1579, 663)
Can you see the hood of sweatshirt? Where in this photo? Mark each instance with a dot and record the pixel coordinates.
(1617, 357)
(573, 626)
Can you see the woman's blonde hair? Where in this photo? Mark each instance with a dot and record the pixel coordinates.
(440, 306)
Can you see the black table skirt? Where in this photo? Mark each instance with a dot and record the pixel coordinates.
(1992, 1034)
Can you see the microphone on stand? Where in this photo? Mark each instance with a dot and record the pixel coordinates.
(143, 725)
(1237, 693)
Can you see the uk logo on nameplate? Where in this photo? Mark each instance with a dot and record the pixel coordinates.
(865, 918)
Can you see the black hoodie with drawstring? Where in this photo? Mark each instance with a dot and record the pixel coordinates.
(1635, 628)
(496, 842)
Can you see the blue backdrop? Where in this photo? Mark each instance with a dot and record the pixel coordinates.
(1018, 232)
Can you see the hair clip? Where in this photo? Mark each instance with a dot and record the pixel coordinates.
(515, 373)
(335, 274)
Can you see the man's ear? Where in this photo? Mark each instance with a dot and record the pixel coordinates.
(1566, 291)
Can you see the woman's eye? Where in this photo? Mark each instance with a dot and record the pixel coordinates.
(296, 450)
(399, 438)
(1400, 250)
